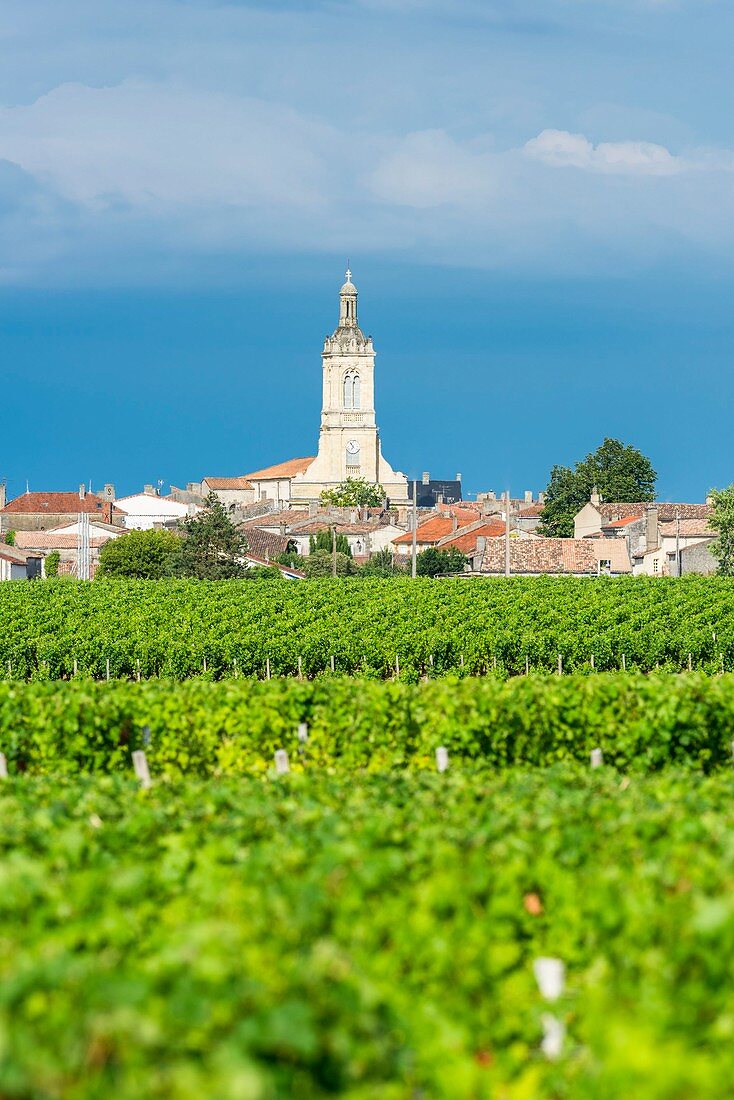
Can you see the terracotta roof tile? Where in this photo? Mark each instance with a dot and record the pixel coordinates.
(228, 483)
(438, 527)
(265, 544)
(286, 469)
(466, 541)
(689, 528)
(666, 510)
(47, 540)
(542, 556)
(55, 504)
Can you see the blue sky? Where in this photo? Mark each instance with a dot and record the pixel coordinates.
(537, 199)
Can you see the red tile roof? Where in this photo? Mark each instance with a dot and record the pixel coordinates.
(666, 510)
(531, 510)
(623, 522)
(286, 469)
(228, 483)
(55, 504)
(47, 540)
(689, 528)
(265, 544)
(542, 556)
(438, 527)
(466, 540)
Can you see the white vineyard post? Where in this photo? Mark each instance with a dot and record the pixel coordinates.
(560, 665)
(333, 663)
(3, 766)
(430, 660)
(303, 732)
(624, 663)
(282, 767)
(550, 975)
(140, 763)
(300, 668)
(75, 666)
(267, 668)
(10, 670)
(107, 668)
(461, 660)
(721, 660)
(597, 758)
(204, 665)
(234, 664)
(442, 759)
(527, 665)
(138, 668)
(397, 665)
(592, 662)
(494, 661)
(690, 662)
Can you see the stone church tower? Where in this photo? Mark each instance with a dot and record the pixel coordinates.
(349, 441)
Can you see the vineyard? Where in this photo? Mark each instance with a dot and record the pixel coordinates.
(309, 936)
(641, 723)
(261, 841)
(374, 629)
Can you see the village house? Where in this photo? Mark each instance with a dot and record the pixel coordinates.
(44, 543)
(17, 564)
(535, 557)
(43, 511)
(146, 510)
(438, 525)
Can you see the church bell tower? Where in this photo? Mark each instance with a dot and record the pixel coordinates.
(349, 440)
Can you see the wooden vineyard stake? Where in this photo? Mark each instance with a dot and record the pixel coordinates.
(107, 668)
(397, 665)
(560, 665)
(442, 759)
(592, 662)
(690, 662)
(234, 664)
(303, 732)
(75, 666)
(430, 660)
(140, 763)
(267, 668)
(527, 665)
(624, 663)
(461, 660)
(3, 766)
(300, 668)
(282, 767)
(721, 661)
(138, 668)
(10, 670)
(204, 665)
(597, 758)
(732, 750)
(333, 663)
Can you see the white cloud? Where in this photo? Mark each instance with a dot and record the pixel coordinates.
(565, 150)
(428, 169)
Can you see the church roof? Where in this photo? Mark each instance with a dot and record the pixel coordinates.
(228, 483)
(287, 469)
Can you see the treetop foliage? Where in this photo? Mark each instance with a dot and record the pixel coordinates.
(722, 521)
(354, 492)
(618, 472)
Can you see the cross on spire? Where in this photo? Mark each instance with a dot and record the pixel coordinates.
(349, 274)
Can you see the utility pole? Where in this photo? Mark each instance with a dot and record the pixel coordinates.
(414, 546)
(677, 542)
(333, 551)
(507, 533)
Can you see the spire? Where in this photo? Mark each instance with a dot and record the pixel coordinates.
(348, 303)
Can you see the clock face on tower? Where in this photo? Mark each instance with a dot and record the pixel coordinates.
(353, 447)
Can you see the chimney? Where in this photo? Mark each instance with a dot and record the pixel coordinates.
(109, 492)
(82, 491)
(3, 495)
(150, 491)
(595, 499)
(313, 508)
(458, 477)
(710, 501)
(528, 496)
(107, 511)
(541, 498)
(426, 477)
(491, 495)
(651, 527)
(454, 523)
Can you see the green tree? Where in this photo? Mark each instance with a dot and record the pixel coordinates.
(323, 541)
(431, 562)
(149, 555)
(51, 564)
(10, 538)
(722, 522)
(320, 564)
(212, 547)
(619, 473)
(355, 492)
(382, 564)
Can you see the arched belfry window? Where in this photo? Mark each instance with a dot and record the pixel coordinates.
(352, 390)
